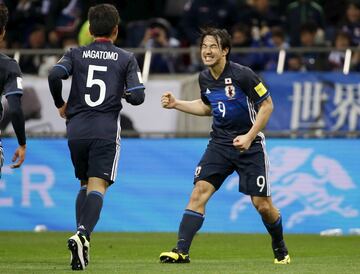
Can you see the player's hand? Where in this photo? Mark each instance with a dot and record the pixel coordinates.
(168, 100)
(242, 142)
(19, 155)
(62, 111)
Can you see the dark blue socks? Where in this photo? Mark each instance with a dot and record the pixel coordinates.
(80, 200)
(90, 212)
(190, 224)
(275, 230)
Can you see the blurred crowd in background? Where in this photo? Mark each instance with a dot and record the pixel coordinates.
(39, 24)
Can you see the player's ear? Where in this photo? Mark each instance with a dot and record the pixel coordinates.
(115, 31)
(91, 33)
(225, 51)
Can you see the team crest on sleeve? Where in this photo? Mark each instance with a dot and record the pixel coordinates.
(230, 91)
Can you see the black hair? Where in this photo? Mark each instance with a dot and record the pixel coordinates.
(309, 26)
(355, 3)
(160, 23)
(4, 16)
(240, 27)
(344, 34)
(278, 32)
(103, 19)
(221, 36)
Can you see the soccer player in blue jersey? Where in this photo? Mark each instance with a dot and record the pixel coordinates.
(11, 87)
(102, 74)
(241, 106)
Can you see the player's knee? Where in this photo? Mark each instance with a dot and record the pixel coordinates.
(263, 208)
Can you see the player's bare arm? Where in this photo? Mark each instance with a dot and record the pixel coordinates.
(243, 142)
(19, 156)
(195, 107)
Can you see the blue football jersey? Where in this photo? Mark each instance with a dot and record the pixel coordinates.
(101, 73)
(233, 98)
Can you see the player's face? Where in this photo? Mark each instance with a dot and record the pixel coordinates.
(211, 51)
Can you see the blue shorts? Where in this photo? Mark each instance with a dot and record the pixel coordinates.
(95, 158)
(219, 161)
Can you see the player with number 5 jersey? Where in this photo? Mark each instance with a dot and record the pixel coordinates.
(240, 105)
(102, 74)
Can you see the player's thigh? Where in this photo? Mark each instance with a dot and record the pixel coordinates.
(79, 151)
(214, 166)
(252, 167)
(103, 160)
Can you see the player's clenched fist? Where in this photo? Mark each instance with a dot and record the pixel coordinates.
(242, 142)
(168, 100)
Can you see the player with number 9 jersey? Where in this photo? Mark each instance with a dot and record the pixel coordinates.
(240, 105)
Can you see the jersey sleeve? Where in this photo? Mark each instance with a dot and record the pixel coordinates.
(65, 63)
(202, 91)
(252, 85)
(13, 84)
(133, 76)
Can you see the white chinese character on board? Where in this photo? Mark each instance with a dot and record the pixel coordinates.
(307, 101)
(347, 102)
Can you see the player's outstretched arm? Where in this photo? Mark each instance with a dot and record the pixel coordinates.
(196, 107)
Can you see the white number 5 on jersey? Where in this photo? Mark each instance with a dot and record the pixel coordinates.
(91, 81)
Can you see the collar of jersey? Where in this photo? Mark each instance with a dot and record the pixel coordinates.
(227, 64)
(102, 40)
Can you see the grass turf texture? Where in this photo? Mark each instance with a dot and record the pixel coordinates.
(28, 252)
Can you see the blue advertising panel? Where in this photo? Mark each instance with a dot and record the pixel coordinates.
(316, 100)
(315, 184)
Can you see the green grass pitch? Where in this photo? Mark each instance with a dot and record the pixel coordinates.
(46, 252)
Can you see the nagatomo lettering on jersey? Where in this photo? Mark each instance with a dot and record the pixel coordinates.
(99, 54)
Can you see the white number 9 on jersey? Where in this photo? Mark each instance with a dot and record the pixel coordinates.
(260, 181)
(222, 109)
(91, 81)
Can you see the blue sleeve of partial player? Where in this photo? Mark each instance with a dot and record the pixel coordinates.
(55, 77)
(17, 117)
(13, 84)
